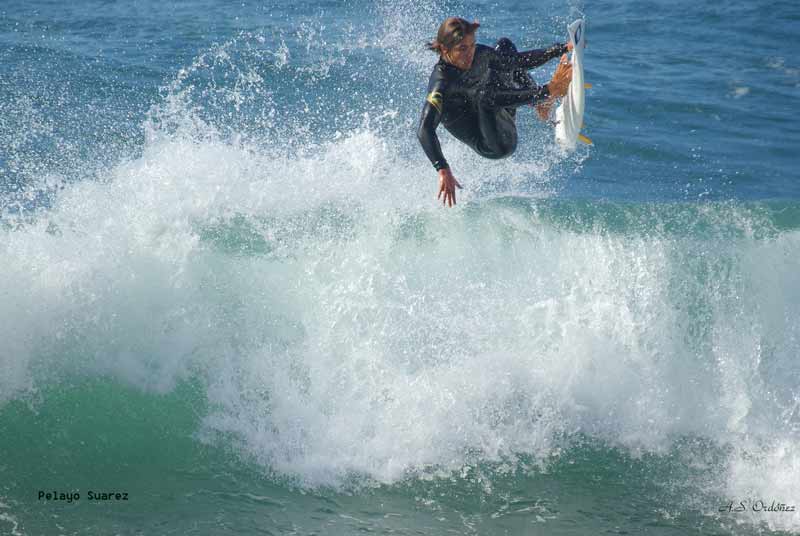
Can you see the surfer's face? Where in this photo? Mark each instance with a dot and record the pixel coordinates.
(461, 55)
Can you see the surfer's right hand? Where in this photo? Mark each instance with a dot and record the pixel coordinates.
(447, 184)
(561, 78)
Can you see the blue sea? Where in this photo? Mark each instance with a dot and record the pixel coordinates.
(230, 302)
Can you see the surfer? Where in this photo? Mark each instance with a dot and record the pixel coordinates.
(474, 91)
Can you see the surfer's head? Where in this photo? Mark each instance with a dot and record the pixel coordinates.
(455, 42)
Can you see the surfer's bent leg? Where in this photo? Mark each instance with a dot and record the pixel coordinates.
(519, 79)
(495, 106)
(498, 131)
(515, 88)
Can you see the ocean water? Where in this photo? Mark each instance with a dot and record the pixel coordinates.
(227, 291)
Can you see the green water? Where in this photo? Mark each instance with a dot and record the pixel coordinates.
(101, 436)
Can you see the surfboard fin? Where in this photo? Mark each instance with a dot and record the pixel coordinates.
(585, 140)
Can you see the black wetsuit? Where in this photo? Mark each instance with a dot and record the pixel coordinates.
(478, 106)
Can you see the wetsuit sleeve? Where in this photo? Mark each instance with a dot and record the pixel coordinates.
(431, 117)
(529, 59)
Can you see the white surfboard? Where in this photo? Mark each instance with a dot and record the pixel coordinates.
(569, 114)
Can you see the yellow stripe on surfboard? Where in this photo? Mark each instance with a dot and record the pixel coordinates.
(585, 139)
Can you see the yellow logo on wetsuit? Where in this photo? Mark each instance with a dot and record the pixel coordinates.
(436, 98)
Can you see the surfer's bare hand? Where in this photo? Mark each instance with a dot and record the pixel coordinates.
(447, 185)
(543, 109)
(561, 78)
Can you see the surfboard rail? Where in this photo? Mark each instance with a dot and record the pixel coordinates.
(569, 114)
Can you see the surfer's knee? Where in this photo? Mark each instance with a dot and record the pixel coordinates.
(506, 138)
(499, 153)
(504, 45)
(501, 147)
(500, 156)
(507, 147)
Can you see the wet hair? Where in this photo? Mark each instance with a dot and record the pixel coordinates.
(451, 32)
